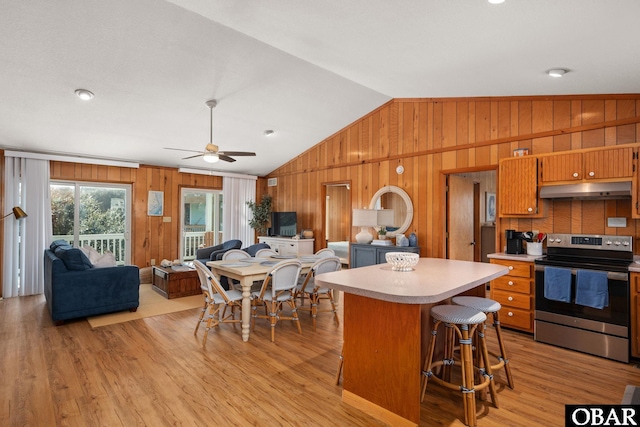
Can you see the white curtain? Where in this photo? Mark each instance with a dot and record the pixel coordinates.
(235, 212)
(27, 186)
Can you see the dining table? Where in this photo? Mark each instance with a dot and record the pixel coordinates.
(250, 270)
(386, 329)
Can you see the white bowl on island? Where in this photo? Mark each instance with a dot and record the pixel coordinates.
(402, 261)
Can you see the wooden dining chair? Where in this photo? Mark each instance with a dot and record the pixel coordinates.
(315, 292)
(215, 298)
(277, 288)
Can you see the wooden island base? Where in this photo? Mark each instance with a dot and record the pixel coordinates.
(382, 358)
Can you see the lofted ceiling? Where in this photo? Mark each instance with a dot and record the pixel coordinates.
(302, 68)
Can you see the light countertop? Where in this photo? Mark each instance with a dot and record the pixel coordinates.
(512, 257)
(432, 280)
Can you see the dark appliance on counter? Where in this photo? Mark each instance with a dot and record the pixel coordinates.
(590, 326)
(514, 242)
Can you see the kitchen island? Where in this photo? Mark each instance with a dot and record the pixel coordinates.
(386, 324)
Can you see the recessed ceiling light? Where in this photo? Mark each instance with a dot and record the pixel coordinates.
(84, 94)
(557, 72)
(496, 1)
(268, 132)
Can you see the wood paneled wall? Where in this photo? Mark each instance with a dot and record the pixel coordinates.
(152, 238)
(431, 137)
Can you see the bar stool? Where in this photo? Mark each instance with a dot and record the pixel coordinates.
(462, 322)
(487, 306)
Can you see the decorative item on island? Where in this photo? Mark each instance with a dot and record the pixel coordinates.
(402, 261)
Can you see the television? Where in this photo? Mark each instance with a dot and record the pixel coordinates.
(283, 224)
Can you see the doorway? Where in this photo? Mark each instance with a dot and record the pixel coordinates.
(470, 215)
(201, 220)
(336, 231)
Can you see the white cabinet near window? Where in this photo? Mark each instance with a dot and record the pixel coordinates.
(288, 246)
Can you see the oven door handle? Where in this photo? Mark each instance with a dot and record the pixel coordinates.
(611, 275)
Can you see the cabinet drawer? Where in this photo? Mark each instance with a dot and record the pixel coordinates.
(512, 284)
(516, 318)
(512, 299)
(516, 268)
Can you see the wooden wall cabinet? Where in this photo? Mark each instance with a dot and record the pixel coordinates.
(518, 187)
(635, 318)
(515, 292)
(365, 254)
(601, 164)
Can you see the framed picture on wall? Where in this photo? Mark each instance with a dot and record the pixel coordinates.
(490, 207)
(155, 204)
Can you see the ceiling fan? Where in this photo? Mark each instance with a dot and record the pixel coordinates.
(211, 153)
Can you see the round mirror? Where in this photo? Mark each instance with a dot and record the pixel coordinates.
(392, 197)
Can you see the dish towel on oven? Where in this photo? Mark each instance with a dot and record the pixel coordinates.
(592, 288)
(557, 284)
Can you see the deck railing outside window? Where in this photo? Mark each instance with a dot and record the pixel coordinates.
(115, 243)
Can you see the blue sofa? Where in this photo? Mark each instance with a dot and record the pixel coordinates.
(74, 288)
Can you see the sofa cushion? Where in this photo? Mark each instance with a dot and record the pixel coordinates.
(73, 258)
(58, 243)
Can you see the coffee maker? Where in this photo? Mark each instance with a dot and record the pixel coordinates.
(514, 242)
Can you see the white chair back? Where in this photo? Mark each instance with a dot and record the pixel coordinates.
(326, 252)
(323, 265)
(266, 253)
(235, 254)
(208, 282)
(284, 276)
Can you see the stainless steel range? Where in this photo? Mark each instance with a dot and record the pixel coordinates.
(582, 294)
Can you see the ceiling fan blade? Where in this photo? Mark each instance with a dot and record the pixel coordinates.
(181, 149)
(225, 158)
(236, 153)
(192, 157)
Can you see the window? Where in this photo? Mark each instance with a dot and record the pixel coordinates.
(201, 223)
(97, 215)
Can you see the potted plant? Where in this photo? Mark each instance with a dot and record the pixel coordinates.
(261, 214)
(382, 232)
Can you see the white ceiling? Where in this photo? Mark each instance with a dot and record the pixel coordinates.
(303, 68)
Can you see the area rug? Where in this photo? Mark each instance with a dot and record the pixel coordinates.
(151, 304)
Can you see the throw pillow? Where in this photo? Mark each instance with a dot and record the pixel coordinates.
(73, 258)
(97, 259)
(57, 243)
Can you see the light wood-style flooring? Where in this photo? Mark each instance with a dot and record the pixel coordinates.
(154, 372)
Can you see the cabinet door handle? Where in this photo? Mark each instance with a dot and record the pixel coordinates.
(592, 174)
(510, 298)
(510, 314)
(530, 210)
(575, 174)
(511, 267)
(510, 283)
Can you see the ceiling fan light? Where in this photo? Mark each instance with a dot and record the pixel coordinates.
(210, 157)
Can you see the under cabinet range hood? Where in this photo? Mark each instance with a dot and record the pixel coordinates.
(587, 190)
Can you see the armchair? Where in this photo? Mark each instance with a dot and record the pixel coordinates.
(214, 253)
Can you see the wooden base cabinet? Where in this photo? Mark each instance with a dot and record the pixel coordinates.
(515, 292)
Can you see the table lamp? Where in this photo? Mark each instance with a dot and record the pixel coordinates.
(364, 218)
(17, 212)
(385, 217)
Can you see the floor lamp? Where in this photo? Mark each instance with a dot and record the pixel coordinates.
(17, 212)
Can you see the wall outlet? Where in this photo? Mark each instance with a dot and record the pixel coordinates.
(153, 261)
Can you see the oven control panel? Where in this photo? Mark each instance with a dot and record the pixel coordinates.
(588, 241)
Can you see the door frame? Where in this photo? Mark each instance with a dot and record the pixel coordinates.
(444, 175)
(324, 185)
